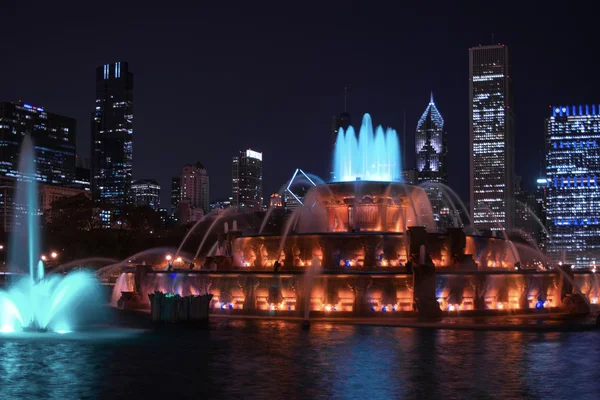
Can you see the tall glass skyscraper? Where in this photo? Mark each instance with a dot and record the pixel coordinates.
(247, 181)
(53, 138)
(491, 137)
(431, 155)
(572, 173)
(112, 134)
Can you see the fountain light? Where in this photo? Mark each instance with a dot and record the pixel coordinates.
(168, 257)
(179, 259)
(54, 254)
(43, 257)
(539, 304)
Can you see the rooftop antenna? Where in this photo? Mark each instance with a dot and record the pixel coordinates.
(346, 99)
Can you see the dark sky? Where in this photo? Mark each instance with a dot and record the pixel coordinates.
(212, 80)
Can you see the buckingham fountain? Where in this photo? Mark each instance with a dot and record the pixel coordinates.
(366, 245)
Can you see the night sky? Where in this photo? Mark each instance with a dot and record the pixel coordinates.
(212, 80)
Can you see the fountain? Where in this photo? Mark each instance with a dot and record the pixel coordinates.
(367, 245)
(36, 302)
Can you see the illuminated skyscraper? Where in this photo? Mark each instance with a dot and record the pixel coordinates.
(247, 181)
(146, 192)
(432, 151)
(491, 137)
(53, 138)
(194, 187)
(112, 134)
(572, 173)
(432, 147)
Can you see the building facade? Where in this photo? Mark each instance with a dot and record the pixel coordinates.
(410, 176)
(175, 194)
(431, 146)
(194, 187)
(573, 193)
(431, 156)
(53, 138)
(247, 181)
(112, 135)
(146, 192)
(491, 134)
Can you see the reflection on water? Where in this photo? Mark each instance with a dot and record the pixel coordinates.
(274, 359)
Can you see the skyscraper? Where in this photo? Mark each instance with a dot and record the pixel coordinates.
(573, 193)
(194, 187)
(175, 194)
(341, 121)
(112, 134)
(431, 155)
(146, 192)
(247, 181)
(53, 138)
(432, 147)
(491, 137)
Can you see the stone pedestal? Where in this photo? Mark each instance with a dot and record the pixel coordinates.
(424, 284)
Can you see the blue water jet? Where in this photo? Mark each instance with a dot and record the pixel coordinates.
(36, 302)
(373, 156)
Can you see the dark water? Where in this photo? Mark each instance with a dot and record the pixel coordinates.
(274, 359)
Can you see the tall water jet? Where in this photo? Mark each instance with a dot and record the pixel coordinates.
(374, 156)
(24, 241)
(37, 302)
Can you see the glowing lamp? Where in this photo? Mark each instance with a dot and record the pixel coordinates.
(373, 308)
(43, 257)
(179, 259)
(394, 308)
(168, 257)
(327, 307)
(53, 254)
(499, 306)
(384, 308)
(231, 306)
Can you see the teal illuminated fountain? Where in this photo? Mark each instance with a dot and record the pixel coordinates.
(35, 302)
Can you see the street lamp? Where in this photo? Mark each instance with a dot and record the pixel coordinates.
(54, 254)
(44, 258)
(168, 257)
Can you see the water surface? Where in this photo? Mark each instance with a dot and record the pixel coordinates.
(276, 359)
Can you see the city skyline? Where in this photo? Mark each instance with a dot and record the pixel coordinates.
(250, 91)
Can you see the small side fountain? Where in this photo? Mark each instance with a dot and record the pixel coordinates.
(37, 302)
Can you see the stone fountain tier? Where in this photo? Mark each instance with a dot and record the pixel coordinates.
(374, 293)
(365, 206)
(370, 250)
